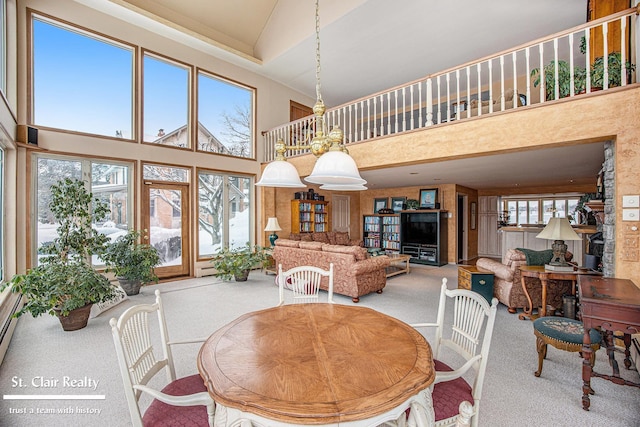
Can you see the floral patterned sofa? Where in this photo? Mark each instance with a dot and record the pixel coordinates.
(507, 286)
(330, 237)
(354, 273)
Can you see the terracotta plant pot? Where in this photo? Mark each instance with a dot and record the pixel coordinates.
(242, 277)
(76, 319)
(131, 287)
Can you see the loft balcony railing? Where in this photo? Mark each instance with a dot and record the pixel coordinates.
(565, 64)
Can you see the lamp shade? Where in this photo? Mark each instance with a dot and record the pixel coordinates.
(558, 229)
(272, 225)
(335, 167)
(344, 187)
(280, 173)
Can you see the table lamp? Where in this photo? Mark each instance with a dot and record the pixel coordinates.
(272, 225)
(558, 229)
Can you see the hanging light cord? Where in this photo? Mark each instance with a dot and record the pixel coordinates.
(318, 95)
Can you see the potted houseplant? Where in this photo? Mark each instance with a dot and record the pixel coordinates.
(64, 282)
(132, 262)
(564, 79)
(237, 262)
(614, 70)
(412, 204)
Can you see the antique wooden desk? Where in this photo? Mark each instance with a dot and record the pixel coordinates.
(613, 305)
(539, 272)
(316, 364)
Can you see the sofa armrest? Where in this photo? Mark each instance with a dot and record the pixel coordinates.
(500, 270)
(370, 264)
(356, 242)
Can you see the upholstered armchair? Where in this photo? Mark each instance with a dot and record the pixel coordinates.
(507, 285)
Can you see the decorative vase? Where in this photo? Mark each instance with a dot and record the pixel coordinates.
(76, 319)
(131, 287)
(242, 277)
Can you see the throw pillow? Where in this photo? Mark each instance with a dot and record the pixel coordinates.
(320, 237)
(537, 257)
(342, 238)
(294, 236)
(331, 235)
(306, 237)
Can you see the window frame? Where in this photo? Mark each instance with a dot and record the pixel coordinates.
(86, 172)
(540, 203)
(68, 26)
(254, 94)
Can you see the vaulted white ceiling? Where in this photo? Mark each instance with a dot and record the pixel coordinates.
(371, 45)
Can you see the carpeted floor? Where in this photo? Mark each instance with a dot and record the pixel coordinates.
(41, 355)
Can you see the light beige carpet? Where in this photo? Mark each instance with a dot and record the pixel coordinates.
(42, 355)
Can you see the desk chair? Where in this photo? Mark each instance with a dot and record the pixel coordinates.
(450, 390)
(302, 284)
(184, 401)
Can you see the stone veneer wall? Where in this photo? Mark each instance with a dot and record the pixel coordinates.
(609, 226)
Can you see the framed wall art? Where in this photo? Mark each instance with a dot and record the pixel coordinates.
(380, 204)
(428, 198)
(397, 203)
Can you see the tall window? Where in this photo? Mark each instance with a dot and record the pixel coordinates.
(166, 102)
(92, 74)
(2, 216)
(224, 212)
(108, 181)
(225, 117)
(3, 46)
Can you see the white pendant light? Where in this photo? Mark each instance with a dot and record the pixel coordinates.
(280, 173)
(335, 167)
(336, 187)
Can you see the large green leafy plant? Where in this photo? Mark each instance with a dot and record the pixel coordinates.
(129, 259)
(65, 280)
(230, 263)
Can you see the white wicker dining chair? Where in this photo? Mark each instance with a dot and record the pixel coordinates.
(469, 335)
(184, 401)
(302, 284)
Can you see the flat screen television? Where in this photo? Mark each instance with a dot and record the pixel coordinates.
(419, 228)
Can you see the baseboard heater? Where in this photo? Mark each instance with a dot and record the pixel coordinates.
(205, 271)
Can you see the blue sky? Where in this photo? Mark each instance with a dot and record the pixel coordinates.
(85, 85)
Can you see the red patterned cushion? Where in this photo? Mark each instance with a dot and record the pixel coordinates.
(448, 395)
(320, 237)
(306, 237)
(342, 238)
(160, 414)
(331, 235)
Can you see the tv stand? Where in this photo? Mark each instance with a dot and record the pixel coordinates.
(423, 236)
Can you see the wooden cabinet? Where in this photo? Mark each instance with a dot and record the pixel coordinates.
(472, 278)
(382, 232)
(489, 240)
(423, 236)
(308, 216)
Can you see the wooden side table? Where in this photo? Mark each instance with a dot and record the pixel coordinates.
(399, 263)
(476, 279)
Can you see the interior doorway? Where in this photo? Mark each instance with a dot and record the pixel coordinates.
(462, 241)
(341, 213)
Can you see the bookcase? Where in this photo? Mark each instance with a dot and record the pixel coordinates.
(308, 216)
(382, 232)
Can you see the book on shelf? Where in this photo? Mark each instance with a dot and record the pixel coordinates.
(565, 268)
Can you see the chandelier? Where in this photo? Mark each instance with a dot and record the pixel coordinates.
(335, 169)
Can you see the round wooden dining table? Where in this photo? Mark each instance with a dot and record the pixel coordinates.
(318, 364)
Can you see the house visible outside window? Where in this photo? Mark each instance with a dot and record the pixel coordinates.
(224, 212)
(166, 101)
(529, 211)
(225, 116)
(93, 74)
(108, 181)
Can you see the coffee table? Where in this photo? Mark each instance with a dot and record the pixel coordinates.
(399, 263)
